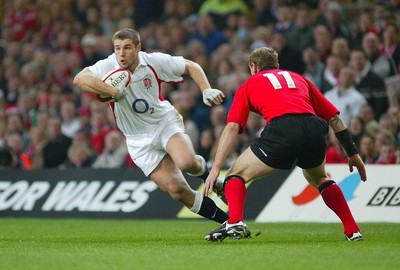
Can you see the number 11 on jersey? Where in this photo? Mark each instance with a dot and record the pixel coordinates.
(275, 81)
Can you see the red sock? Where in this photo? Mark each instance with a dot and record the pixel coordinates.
(235, 193)
(334, 199)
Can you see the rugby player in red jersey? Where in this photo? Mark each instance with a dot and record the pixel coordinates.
(298, 117)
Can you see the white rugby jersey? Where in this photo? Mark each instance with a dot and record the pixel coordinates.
(143, 106)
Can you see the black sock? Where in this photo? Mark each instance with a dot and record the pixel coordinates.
(210, 210)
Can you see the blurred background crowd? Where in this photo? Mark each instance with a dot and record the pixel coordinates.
(350, 49)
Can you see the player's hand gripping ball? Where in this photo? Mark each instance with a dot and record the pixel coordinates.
(119, 79)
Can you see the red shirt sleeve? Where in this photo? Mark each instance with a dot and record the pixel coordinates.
(240, 108)
(322, 106)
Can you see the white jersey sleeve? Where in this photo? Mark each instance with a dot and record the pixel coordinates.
(102, 67)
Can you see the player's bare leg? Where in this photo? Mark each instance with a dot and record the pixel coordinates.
(181, 150)
(169, 178)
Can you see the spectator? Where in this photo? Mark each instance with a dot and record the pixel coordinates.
(364, 24)
(379, 12)
(15, 125)
(302, 34)
(260, 36)
(56, 148)
(70, 122)
(21, 21)
(340, 48)
(34, 150)
(389, 122)
(196, 51)
(89, 50)
(371, 85)
(289, 58)
(367, 149)
(356, 129)
(322, 41)
(286, 17)
(390, 46)
(336, 21)
(84, 119)
(114, 153)
(219, 10)
(382, 136)
(387, 153)
(314, 67)
(331, 73)
(208, 34)
(218, 116)
(147, 11)
(367, 115)
(206, 143)
(345, 97)
(244, 26)
(264, 12)
(79, 156)
(15, 145)
(380, 64)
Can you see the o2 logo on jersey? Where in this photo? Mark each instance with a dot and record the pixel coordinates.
(141, 105)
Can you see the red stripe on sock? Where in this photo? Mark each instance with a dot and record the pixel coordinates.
(235, 193)
(334, 199)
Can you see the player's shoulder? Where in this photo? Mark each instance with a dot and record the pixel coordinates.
(101, 67)
(153, 57)
(110, 61)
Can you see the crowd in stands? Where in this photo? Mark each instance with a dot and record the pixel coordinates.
(350, 49)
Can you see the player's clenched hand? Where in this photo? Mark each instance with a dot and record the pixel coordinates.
(209, 184)
(121, 93)
(211, 96)
(355, 160)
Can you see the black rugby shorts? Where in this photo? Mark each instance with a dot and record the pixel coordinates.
(290, 138)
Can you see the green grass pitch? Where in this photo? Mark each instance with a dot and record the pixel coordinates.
(179, 244)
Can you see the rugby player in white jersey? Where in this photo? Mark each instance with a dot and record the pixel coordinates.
(153, 128)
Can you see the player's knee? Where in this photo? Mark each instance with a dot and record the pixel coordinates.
(188, 165)
(177, 192)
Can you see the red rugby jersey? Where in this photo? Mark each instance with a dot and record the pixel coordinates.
(274, 92)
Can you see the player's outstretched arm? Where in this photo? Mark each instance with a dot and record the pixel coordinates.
(226, 142)
(210, 96)
(344, 137)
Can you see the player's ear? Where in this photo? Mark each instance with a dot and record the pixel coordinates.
(139, 46)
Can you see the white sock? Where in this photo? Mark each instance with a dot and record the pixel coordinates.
(198, 200)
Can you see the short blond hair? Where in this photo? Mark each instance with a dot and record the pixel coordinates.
(127, 33)
(264, 57)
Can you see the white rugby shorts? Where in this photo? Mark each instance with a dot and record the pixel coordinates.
(148, 149)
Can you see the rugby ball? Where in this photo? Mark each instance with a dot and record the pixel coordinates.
(115, 78)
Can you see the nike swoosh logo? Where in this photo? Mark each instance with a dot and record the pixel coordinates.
(215, 212)
(265, 154)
